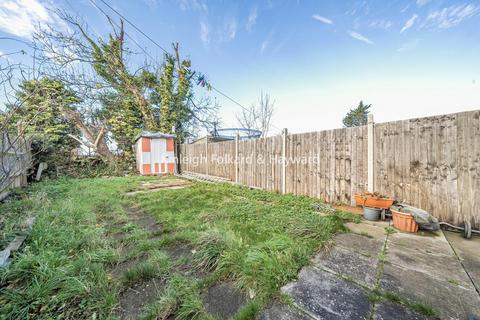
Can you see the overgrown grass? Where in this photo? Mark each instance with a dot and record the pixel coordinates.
(62, 270)
(258, 240)
(157, 265)
(182, 298)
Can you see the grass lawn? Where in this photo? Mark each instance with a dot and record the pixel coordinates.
(96, 252)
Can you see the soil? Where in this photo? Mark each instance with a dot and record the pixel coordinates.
(118, 269)
(355, 210)
(178, 251)
(143, 220)
(134, 298)
(223, 300)
(151, 187)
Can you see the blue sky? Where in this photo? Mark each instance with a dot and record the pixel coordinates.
(317, 59)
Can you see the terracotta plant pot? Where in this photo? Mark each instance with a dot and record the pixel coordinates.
(404, 221)
(372, 200)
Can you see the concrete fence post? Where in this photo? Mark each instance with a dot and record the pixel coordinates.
(370, 154)
(237, 137)
(284, 160)
(206, 155)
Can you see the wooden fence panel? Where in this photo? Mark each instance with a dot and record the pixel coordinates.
(221, 157)
(15, 160)
(432, 163)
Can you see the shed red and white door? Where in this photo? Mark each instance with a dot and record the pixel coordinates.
(155, 155)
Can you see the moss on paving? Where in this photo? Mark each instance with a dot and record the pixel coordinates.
(258, 240)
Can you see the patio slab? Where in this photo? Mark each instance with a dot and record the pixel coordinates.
(420, 268)
(449, 300)
(387, 310)
(280, 311)
(436, 263)
(349, 264)
(468, 251)
(374, 231)
(363, 244)
(324, 296)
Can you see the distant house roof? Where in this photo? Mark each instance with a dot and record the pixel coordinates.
(149, 134)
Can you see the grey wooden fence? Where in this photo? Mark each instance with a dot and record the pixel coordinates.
(15, 160)
(432, 163)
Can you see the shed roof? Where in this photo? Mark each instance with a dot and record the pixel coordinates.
(150, 134)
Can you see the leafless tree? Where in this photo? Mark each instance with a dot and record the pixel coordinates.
(14, 147)
(258, 116)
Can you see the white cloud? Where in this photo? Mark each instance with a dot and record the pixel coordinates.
(185, 5)
(451, 16)
(151, 3)
(204, 32)
(252, 19)
(405, 8)
(409, 23)
(421, 3)
(381, 24)
(231, 29)
(322, 19)
(359, 37)
(19, 17)
(264, 46)
(227, 31)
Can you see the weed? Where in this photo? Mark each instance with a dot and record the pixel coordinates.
(181, 298)
(211, 245)
(156, 266)
(247, 312)
(390, 230)
(416, 306)
(453, 281)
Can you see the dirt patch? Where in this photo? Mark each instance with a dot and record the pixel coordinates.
(148, 223)
(143, 220)
(119, 269)
(138, 296)
(355, 210)
(178, 251)
(223, 300)
(182, 251)
(151, 187)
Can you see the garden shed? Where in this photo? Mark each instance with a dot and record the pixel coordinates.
(155, 153)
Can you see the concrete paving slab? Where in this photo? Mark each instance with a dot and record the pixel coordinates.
(359, 268)
(468, 251)
(449, 300)
(366, 228)
(428, 242)
(325, 296)
(16, 243)
(380, 223)
(387, 310)
(281, 311)
(223, 300)
(438, 264)
(359, 243)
